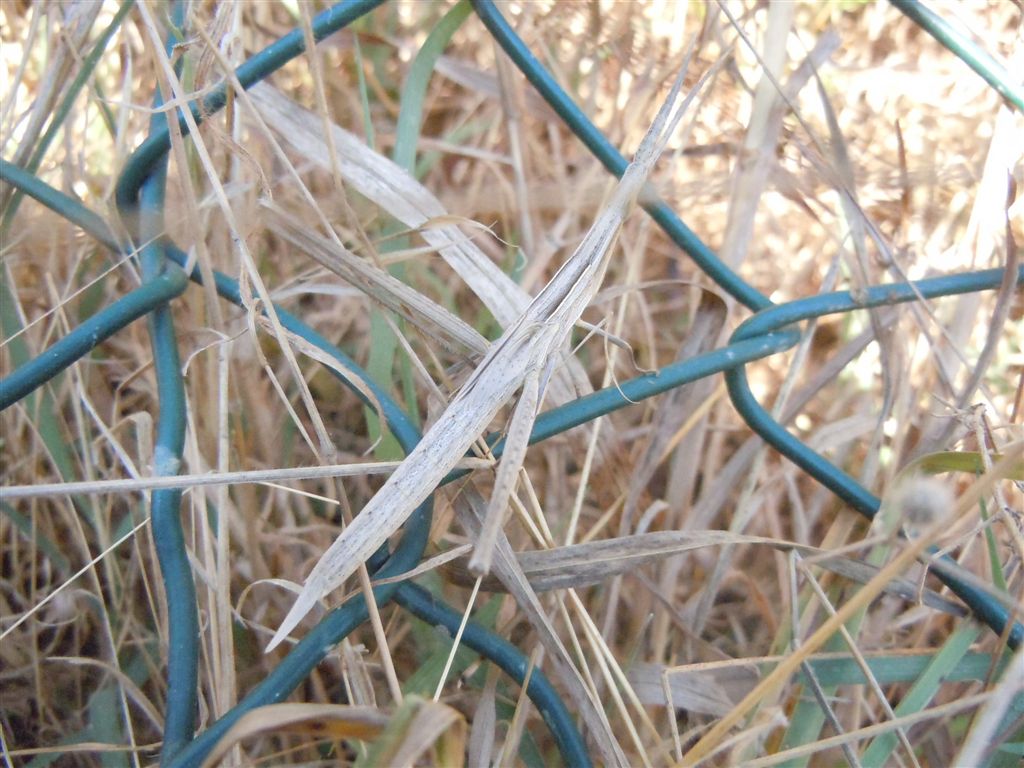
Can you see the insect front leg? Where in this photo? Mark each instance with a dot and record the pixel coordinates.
(516, 442)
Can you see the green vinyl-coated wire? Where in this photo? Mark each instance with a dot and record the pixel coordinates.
(165, 503)
(340, 622)
(989, 610)
(343, 620)
(764, 334)
(755, 416)
(611, 158)
(139, 196)
(85, 337)
(965, 49)
(269, 60)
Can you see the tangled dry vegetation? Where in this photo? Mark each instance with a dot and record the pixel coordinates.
(927, 148)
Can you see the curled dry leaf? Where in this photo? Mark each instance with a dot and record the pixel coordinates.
(399, 737)
(334, 721)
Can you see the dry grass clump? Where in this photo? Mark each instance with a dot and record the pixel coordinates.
(887, 160)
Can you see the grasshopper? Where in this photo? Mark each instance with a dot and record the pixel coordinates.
(518, 360)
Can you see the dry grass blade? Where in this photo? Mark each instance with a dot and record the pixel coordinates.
(582, 565)
(707, 687)
(211, 478)
(67, 44)
(711, 689)
(481, 736)
(894, 167)
(755, 163)
(993, 712)
(680, 406)
(380, 285)
(524, 349)
(937, 714)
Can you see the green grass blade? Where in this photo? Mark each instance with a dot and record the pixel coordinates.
(383, 342)
(925, 688)
(40, 405)
(43, 543)
(414, 91)
(424, 680)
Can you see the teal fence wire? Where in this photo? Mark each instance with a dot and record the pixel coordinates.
(772, 328)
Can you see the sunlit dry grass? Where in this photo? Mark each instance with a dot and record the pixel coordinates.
(887, 159)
